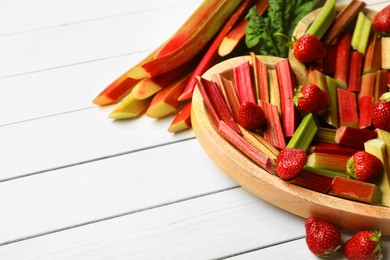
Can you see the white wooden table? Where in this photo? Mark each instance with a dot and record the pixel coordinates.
(76, 185)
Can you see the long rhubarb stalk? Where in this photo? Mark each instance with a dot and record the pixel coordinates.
(211, 54)
(372, 59)
(287, 83)
(189, 48)
(237, 34)
(273, 132)
(347, 107)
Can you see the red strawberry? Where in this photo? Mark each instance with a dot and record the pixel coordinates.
(381, 22)
(290, 163)
(381, 113)
(364, 166)
(322, 237)
(308, 49)
(311, 99)
(250, 116)
(364, 245)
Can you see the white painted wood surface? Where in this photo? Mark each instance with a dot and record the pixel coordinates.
(75, 185)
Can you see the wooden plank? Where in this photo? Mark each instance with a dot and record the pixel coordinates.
(19, 16)
(102, 189)
(207, 227)
(75, 137)
(64, 89)
(90, 40)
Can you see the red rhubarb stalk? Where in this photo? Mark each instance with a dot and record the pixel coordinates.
(381, 85)
(217, 101)
(329, 62)
(365, 111)
(320, 147)
(354, 137)
(347, 107)
(211, 54)
(343, 59)
(230, 95)
(182, 121)
(243, 82)
(215, 20)
(287, 83)
(313, 181)
(355, 71)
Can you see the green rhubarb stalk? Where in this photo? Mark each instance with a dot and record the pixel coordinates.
(324, 19)
(385, 59)
(328, 161)
(324, 172)
(304, 133)
(377, 148)
(361, 33)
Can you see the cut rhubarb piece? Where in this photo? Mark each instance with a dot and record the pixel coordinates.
(343, 60)
(260, 143)
(343, 19)
(354, 137)
(273, 132)
(260, 74)
(274, 90)
(324, 19)
(165, 101)
(319, 147)
(230, 93)
(182, 120)
(365, 107)
(328, 161)
(217, 103)
(377, 148)
(243, 81)
(361, 33)
(129, 108)
(304, 133)
(237, 34)
(355, 71)
(325, 135)
(199, 36)
(246, 148)
(313, 181)
(347, 108)
(355, 190)
(287, 84)
(372, 59)
(211, 55)
(385, 53)
(381, 84)
(367, 85)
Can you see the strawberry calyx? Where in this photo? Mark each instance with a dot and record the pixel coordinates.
(385, 97)
(376, 237)
(351, 169)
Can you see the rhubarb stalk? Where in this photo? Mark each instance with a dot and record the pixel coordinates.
(343, 60)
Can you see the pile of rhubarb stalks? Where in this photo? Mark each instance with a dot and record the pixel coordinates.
(354, 74)
(162, 84)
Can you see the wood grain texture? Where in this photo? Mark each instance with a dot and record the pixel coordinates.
(300, 201)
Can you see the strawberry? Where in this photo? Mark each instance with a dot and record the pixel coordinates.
(322, 237)
(364, 245)
(311, 99)
(308, 49)
(381, 22)
(250, 115)
(364, 166)
(290, 163)
(381, 113)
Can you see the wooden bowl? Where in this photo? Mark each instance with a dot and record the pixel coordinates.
(297, 200)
